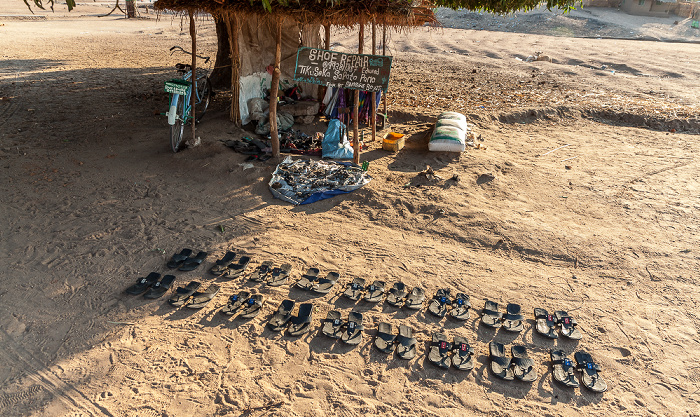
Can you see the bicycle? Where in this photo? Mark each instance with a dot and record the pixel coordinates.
(179, 113)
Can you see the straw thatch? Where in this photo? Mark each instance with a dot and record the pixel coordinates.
(347, 13)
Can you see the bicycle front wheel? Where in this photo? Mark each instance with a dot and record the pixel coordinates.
(178, 129)
(203, 97)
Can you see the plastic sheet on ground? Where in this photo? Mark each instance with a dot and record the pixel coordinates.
(307, 181)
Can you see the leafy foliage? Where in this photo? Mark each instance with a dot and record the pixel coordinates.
(39, 4)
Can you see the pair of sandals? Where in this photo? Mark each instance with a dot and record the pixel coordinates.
(512, 321)
(398, 296)
(151, 286)
(311, 282)
(404, 343)
(563, 371)
(191, 297)
(246, 304)
(546, 324)
(298, 325)
(272, 276)
(462, 357)
(349, 331)
(183, 261)
(372, 293)
(521, 366)
(227, 268)
(460, 305)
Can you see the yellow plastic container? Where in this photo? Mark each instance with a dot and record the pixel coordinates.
(393, 142)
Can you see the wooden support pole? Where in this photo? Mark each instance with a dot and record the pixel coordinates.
(274, 89)
(386, 116)
(193, 96)
(231, 20)
(374, 95)
(327, 30)
(356, 106)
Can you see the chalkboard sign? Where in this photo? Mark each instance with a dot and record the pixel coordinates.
(336, 69)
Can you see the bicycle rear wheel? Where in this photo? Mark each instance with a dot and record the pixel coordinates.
(177, 130)
(204, 96)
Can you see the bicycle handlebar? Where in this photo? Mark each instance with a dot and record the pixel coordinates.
(205, 58)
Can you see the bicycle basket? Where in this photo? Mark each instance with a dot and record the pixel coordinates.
(177, 86)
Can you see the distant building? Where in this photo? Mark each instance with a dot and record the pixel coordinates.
(657, 8)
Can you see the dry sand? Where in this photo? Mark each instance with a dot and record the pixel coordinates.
(92, 198)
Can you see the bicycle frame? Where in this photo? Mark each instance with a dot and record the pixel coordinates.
(175, 97)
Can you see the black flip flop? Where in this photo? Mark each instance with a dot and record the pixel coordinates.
(278, 276)
(235, 302)
(384, 342)
(307, 280)
(324, 285)
(523, 366)
(252, 307)
(438, 305)
(160, 287)
(279, 320)
(590, 378)
(568, 325)
(192, 263)
(301, 323)
(261, 272)
(545, 323)
(406, 343)
(179, 258)
(415, 300)
(201, 298)
(222, 264)
(237, 269)
(439, 351)
(460, 307)
(375, 292)
(462, 354)
(332, 324)
(397, 294)
(500, 365)
(353, 329)
(491, 316)
(513, 320)
(182, 294)
(354, 289)
(142, 284)
(563, 369)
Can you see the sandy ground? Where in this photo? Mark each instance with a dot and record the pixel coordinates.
(92, 199)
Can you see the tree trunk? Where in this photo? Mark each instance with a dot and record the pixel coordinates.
(193, 96)
(356, 105)
(220, 77)
(274, 89)
(232, 28)
(130, 9)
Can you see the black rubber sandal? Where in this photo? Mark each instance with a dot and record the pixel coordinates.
(513, 320)
(500, 365)
(192, 263)
(523, 366)
(222, 264)
(306, 282)
(397, 294)
(234, 303)
(415, 300)
(142, 284)
(301, 323)
(354, 289)
(182, 294)
(568, 325)
(438, 305)
(237, 269)
(201, 298)
(280, 319)
(332, 324)
(252, 307)
(353, 329)
(324, 285)
(375, 292)
(384, 342)
(179, 258)
(160, 288)
(439, 351)
(278, 276)
(462, 354)
(406, 343)
(491, 316)
(261, 272)
(545, 324)
(460, 307)
(590, 378)
(563, 369)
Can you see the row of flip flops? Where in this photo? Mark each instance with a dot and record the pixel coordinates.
(154, 286)
(520, 366)
(546, 324)
(184, 261)
(398, 295)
